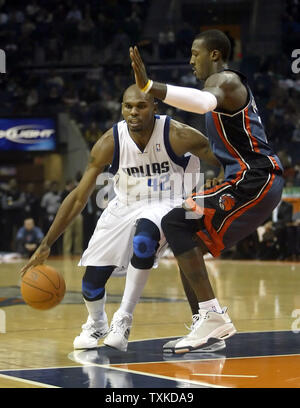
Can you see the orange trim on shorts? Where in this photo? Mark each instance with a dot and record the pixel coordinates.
(234, 216)
(277, 167)
(212, 189)
(229, 148)
(214, 243)
(248, 128)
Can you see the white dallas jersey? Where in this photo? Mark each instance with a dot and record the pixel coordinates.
(154, 174)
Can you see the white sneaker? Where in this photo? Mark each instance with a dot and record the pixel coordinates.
(91, 332)
(119, 331)
(212, 346)
(210, 325)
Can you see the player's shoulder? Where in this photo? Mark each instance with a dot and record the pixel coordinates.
(175, 125)
(107, 137)
(182, 131)
(224, 79)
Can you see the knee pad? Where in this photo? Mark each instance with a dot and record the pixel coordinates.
(94, 281)
(145, 244)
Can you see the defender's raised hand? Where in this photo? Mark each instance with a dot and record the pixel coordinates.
(156, 89)
(139, 69)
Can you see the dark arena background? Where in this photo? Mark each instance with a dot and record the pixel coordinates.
(64, 67)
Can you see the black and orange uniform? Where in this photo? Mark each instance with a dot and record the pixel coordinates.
(252, 187)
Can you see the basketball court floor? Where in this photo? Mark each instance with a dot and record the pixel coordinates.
(263, 300)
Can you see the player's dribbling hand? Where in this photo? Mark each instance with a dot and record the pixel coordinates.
(138, 66)
(39, 257)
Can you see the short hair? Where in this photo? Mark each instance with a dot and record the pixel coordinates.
(216, 40)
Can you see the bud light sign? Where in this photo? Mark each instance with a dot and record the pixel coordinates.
(28, 134)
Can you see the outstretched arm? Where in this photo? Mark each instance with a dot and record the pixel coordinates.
(188, 99)
(222, 90)
(74, 203)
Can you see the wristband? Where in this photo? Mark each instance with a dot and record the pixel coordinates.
(148, 86)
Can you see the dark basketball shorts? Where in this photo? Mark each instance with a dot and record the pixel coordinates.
(223, 215)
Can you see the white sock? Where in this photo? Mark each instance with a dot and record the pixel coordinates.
(96, 309)
(135, 282)
(212, 305)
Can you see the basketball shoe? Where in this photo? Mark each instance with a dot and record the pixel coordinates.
(210, 347)
(119, 331)
(208, 331)
(92, 331)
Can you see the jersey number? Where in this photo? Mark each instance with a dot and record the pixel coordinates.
(161, 184)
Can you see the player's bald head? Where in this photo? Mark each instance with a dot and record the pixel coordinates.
(134, 92)
(138, 110)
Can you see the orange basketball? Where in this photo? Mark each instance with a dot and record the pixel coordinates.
(43, 287)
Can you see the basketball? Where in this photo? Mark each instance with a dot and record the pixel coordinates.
(43, 287)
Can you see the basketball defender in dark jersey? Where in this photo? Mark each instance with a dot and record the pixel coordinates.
(218, 217)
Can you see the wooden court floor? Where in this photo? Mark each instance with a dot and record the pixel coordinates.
(263, 300)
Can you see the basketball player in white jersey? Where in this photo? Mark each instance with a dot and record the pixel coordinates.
(148, 156)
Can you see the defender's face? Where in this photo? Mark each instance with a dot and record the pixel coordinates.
(138, 111)
(200, 60)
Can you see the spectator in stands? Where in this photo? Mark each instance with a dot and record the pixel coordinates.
(247, 248)
(184, 39)
(297, 175)
(92, 134)
(167, 44)
(86, 30)
(90, 93)
(32, 203)
(2, 223)
(74, 15)
(32, 99)
(278, 236)
(287, 163)
(72, 237)
(3, 18)
(27, 29)
(296, 132)
(267, 242)
(28, 238)
(284, 231)
(54, 79)
(53, 99)
(117, 52)
(50, 203)
(32, 8)
(13, 201)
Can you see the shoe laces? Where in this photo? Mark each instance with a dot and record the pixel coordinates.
(120, 323)
(198, 320)
(90, 325)
(195, 319)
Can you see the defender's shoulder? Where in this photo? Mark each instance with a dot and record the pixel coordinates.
(224, 79)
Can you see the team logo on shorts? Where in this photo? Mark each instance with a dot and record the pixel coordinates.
(226, 202)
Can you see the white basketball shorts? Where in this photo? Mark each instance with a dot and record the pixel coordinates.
(112, 240)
